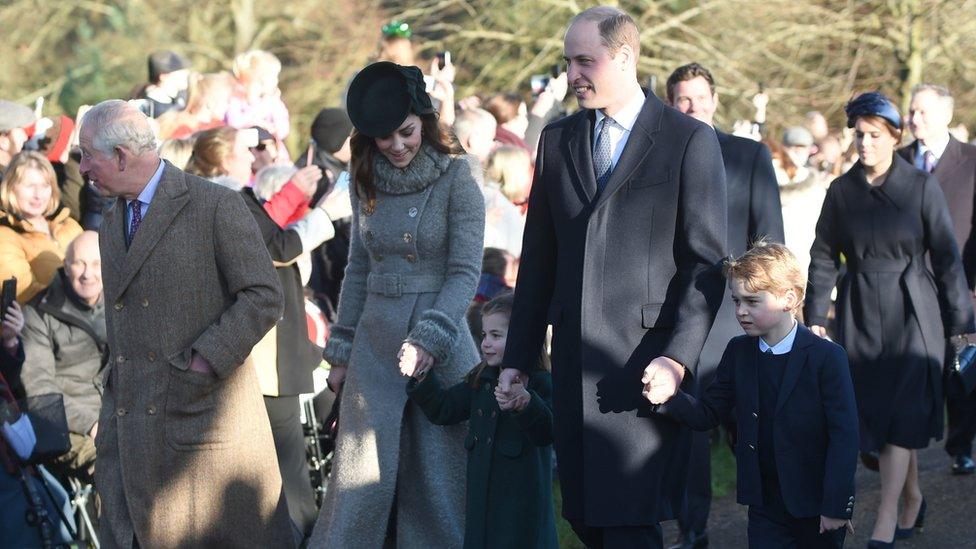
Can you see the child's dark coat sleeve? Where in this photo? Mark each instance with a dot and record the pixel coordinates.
(441, 406)
(719, 398)
(840, 411)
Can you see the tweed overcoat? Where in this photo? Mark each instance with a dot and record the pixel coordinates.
(413, 269)
(623, 276)
(186, 459)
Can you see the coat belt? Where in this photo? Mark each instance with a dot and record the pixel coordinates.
(395, 285)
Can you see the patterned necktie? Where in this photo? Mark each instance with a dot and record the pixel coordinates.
(602, 155)
(928, 163)
(136, 215)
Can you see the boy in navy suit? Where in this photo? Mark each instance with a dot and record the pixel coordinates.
(794, 400)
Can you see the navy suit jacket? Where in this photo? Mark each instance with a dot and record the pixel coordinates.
(815, 431)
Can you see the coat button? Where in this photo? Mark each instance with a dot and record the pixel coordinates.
(476, 439)
(479, 412)
(119, 306)
(151, 410)
(411, 258)
(488, 442)
(407, 237)
(120, 412)
(751, 447)
(151, 356)
(379, 257)
(369, 236)
(145, 302)
(493, 413)
(755, 415)
(119, 359)
(412, 212)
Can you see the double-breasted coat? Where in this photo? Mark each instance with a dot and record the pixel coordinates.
(894, 311)
(509, 486)
(414, 263)
(186, 459)
(623, 276)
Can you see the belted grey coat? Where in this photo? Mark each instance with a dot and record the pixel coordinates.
(414, 263)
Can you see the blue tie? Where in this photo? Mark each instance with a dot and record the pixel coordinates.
(602, 155)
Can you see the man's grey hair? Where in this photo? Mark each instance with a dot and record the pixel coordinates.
(471, 121)
(942, 92)
(116, 123)
(270, 179)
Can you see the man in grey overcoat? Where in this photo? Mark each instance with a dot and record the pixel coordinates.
(184, 449)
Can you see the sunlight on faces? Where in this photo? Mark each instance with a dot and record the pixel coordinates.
(599, 79)
(494, 334)
(694, 97)
(33, 194)
(875, 143)
(761, 312)
(929, 115)
(238, 163)
(83, 266)
(402, 145)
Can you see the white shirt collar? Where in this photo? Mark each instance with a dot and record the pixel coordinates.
(784, 346)
(937, 147)
(627, 116)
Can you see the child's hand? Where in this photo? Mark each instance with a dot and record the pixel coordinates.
(828, 523)
(515, 399)
(414, 360)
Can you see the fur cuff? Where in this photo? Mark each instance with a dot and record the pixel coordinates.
(436, 333)
(338, 350)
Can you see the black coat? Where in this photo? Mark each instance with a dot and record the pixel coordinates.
(814, 429)
(509, 478)
(297, 356)
(893, 311)
(753, 211)
(956, 172)
(623, 277)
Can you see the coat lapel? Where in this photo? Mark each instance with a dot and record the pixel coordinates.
(794, 364)
(581, 154)
(112, 240)
(950, 160)
(171, 196)
(637, 148)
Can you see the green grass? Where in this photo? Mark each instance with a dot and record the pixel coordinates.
(723, 483)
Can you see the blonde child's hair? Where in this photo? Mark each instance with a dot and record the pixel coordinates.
(768, 266)
(503, 166)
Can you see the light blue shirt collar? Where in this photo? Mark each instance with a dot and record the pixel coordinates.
(627, 116)
(146, 196)
(784, 346)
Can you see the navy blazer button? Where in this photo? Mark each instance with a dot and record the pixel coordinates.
(751, 447)
(755, 415)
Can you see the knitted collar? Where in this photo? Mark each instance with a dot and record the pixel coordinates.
(425, 168)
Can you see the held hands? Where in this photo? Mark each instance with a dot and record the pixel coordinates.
(201, 365)
(827, 524)
(415, 361)
(661, 379)
(515, 398)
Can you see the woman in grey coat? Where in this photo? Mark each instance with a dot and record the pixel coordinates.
(414, 262)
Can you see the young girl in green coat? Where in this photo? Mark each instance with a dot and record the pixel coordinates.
(509, 441)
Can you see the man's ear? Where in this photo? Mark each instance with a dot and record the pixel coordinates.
(121, 156)
(625, 56)
(792, 299)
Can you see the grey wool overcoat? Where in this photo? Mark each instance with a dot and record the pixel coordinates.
(186, 459)
(413, 269)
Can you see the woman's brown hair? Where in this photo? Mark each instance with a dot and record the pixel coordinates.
(364, 150)
(21, 163)
(210, 150)
(879, 121)
(503, 106)
(502, 303)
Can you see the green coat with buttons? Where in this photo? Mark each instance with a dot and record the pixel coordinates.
(509, 479)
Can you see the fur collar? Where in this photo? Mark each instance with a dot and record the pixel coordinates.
(425, 168)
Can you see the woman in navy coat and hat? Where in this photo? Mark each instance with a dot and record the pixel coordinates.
(903, 294)
(414, 262)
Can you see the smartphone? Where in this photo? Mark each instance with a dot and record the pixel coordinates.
(538, 83)
(7, 296)
(443, 59)
(311, 152)
(250, 137)
(429, 83)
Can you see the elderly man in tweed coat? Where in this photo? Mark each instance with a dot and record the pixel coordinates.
(185, 456)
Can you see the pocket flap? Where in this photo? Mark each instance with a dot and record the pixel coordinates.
(641, 182)
(657, 315)
(509, 447)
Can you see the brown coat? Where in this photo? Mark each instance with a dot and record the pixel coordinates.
(186, 459)
(32, 256)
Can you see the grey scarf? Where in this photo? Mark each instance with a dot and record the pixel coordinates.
(425, 168)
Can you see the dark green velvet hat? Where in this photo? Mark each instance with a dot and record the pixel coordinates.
(383, 94)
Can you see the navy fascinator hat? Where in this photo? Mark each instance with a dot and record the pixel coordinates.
(872, 104)
(383, 94)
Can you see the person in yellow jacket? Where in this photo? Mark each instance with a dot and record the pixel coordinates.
(35, 229)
